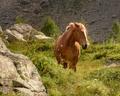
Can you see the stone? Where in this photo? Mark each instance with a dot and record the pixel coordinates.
(23, 32)
(1, 31)
(19, 74)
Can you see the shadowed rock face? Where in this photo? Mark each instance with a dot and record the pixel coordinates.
(99, 14)
(18, 74)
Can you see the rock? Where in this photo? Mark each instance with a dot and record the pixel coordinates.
(24, 2)
(13, 35)
(26, 92)
(1, 31)
(18, 73)
(20, 83)
(7, 68)
(44, 3)
(23, 32)
(42, 37)
(3, 47)
(114, 16)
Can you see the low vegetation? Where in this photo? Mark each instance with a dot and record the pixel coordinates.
(49, 27)
(94, 77)
(11, 94)
(19, 20)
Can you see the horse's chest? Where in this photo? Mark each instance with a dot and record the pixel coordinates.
(69, 52)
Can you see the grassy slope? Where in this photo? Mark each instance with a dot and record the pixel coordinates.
(92, 77)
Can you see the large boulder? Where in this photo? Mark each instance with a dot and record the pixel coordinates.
(19, 74)
(23, 32)
(1, 29)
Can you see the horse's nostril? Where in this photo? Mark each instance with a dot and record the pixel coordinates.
(84, 46)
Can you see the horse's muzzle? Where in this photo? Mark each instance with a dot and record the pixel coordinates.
(84, 46)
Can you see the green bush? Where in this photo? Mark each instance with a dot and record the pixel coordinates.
(115, 36)
(50, 28)
(19, 20)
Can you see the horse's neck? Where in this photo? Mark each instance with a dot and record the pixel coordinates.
(68, 38)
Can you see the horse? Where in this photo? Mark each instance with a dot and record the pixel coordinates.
(67, 46)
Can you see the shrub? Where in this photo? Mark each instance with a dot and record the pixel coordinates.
(19, 20)
(50, 28)
(115, 36)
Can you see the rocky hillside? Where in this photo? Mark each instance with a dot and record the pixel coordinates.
(99, 14)
(19, 74)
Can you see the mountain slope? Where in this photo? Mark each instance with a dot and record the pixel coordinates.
(98, 14)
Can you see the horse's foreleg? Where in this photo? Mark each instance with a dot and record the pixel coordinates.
(58, 59)
(65, 65)
(73, 66)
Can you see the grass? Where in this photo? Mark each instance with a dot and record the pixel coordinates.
(109, 77)
(11, 94)
(92, 77)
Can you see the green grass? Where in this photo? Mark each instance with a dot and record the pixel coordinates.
(11, 94)
(92, 77)
(110, 77)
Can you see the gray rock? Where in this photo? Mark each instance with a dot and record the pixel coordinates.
(18, 73)
(14, 35)
(26, 92)
(23, 32)
(3, 47)
(1, 31)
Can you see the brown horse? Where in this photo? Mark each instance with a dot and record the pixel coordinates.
(67, 46)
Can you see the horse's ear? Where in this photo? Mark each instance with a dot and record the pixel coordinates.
(81, 26)
(76, 24)
(67, 28)
(70, 26)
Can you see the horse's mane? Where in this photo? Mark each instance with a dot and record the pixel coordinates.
(74, 25)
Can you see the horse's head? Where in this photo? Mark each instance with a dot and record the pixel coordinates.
(80, 34)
